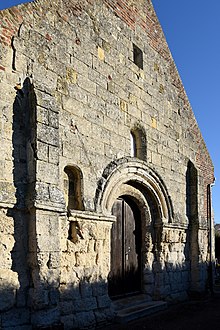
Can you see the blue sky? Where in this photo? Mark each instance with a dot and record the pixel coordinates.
(192, 30)
(9, 3)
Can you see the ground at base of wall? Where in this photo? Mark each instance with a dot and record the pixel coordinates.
(52, 327)
(200, 314)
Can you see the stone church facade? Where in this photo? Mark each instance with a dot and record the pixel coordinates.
(105, 178)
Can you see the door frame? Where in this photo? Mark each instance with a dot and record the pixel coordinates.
(137, 245)
(134, 178)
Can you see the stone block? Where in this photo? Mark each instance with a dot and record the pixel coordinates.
(90, 304)
(85, 289)
(87, 84)
(57, 196)
(46, 317)
(73, 107)
(77, 94)
(47, 134)
(8, 298)
(42, 151)
(49, 243)
(98, 78)
(53, 155)
(97, 104)
(156, 159)
(45, 78)
(7, 192)
(104, 315)
(53, 119)
(80, 67)
(104, 301)
(50, 277)
(42, 115)
(39, 297)
(69, 291)
(47, 172)
(16, 317)
(164, 291)
(42, 191)
(101, 54)
(66, 307)
(54, 260)
(69, 321)
(71, 75)
(149, 289)
(95, 117)
(47, 101)
(85, 319)
(149, 278)
(6, 222)
(85, 57)
(9, 285)
(54, 296)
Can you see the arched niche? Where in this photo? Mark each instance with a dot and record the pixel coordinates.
(138, 143)
(73, 187)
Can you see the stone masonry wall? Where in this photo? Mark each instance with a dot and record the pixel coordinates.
(71, 96)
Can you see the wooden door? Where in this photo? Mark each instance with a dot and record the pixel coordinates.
(125, 274)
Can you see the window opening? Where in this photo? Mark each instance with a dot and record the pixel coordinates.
(72, 188)
(138, 143)
(138, 56)
(133, 145)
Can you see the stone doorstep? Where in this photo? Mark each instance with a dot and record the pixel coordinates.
(216, 285)
(216, 289)
(131, 308)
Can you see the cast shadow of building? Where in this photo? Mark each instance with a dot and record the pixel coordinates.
(24, 178)
(85, 302)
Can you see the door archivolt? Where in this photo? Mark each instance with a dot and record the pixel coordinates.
(136, 176)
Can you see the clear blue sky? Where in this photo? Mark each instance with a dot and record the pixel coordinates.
(192, 31)
(10, 3)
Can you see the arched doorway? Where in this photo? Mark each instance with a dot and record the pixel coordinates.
(126, 242)
(130, 184)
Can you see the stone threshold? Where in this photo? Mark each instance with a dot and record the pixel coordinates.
(134, 307)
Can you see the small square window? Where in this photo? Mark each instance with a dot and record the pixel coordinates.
(138, 56)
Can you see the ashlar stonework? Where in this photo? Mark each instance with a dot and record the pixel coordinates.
(105, 178)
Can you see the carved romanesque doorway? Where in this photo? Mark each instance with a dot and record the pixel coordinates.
(125, 274)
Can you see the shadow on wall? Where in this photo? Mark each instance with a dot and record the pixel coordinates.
(24, 161)
(192, 214)
(77, 299)
(85, 303)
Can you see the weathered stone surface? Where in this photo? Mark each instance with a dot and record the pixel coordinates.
(16, 317)
(8, 285)
(46, 317)
(83, 123)
(86, 319)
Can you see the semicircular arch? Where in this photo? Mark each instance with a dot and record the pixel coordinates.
(133, 177)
